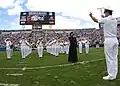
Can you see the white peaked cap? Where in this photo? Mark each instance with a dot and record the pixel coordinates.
(108, 7)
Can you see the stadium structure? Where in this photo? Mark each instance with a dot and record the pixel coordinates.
(92, 34)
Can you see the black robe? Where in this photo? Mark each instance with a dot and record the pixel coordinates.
(72, 57)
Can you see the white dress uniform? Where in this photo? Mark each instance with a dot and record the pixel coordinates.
(50, 48)
(56, 48)
(40, 48)
(25, 49)
(53, 47)
(8, 49)
(110, 45)
(80, 47)
(61, 47)
(66, 47)
(87, 47)
(46, 47)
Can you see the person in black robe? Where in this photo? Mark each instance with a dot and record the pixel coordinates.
(72, 57)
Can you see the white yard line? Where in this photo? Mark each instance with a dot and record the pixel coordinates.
(3, 84)
(15, 74)
(43, 67)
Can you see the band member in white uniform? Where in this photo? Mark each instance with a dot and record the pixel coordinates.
(8, 48)
(25, 48)
(52, 47)
(66, 47)
(47, 47)
(40, 48)
(61, 47)
(110, 43)
(80, 46)
(56, 48)
(87, 46)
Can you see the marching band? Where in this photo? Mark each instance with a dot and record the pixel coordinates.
(54, 47)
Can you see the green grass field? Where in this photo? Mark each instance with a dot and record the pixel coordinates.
(88, 74)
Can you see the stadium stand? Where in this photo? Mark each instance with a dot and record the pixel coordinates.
(91, 34)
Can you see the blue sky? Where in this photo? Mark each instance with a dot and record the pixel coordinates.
(70, 14)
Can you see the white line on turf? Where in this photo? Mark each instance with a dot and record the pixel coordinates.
(3, 84)
(43, 67)
(15, 74)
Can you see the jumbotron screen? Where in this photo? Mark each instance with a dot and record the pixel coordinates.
(31, 18)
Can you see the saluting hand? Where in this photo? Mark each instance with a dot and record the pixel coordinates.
(90, 14)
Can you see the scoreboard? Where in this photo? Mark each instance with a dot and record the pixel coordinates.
(39, 17)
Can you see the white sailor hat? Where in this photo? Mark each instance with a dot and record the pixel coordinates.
(108, 9)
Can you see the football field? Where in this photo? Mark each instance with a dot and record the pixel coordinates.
(55, 71)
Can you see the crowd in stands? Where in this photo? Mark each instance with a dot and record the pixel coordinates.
(93, 35)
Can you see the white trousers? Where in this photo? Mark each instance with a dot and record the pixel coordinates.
(40, 51)
(9, 53)
(87, 49)
(111, 54)
(52, 50)
(67, 49)
(80, 48)
(25, 50)
(61, 49)
(56, 51)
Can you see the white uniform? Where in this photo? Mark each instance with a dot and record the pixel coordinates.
(47, 47)
(61, 47)
(67, 50)
(53, 48)
(25, 49)
(40, 48)
(50, 48)
(110, 45)
(8, 49)
(87, 47)
(66, 47)
(56, 49)
(80, 46)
